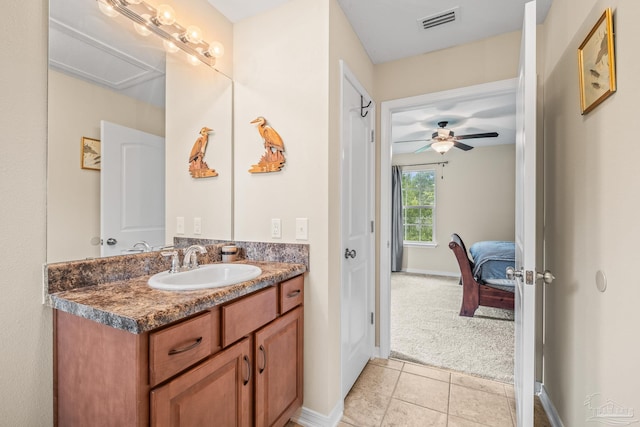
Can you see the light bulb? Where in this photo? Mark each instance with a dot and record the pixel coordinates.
(165, 15)
(193, 34)
(142, 29)
(133, 1)
(170, 46)
(442, 146)
(216, 49)
(107, 9)
(193, 60)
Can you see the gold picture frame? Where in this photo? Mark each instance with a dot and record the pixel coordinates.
(90, 153)
(596, 64)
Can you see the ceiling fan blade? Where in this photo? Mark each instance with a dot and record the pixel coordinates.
(462, 146)
(478, 135)
(425, 148)
(410, 140)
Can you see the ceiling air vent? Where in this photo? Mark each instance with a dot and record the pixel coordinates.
(439, 18)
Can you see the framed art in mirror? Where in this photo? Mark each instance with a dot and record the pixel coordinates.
(90, 154)
(597, 64)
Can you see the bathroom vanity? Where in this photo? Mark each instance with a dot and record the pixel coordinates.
(129, 355)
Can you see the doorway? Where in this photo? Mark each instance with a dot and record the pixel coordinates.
(442, 260)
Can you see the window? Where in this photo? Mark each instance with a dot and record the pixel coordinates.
(418, 205)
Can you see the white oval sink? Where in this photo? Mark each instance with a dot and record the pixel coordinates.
(205, 277)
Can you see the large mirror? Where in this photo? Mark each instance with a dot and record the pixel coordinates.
(104, 75)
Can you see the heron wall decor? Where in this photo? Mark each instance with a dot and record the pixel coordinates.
(197, 166)
(273, 158)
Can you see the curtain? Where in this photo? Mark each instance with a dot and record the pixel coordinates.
(397, 228)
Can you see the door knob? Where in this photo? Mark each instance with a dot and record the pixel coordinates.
(547, 277)
(350, 253)
(512, 273)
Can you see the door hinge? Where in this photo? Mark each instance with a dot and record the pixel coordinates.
(372, 317)
(372, 135)
(372, 227)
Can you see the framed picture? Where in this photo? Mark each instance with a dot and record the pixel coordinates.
(90, 153)
(597, 64)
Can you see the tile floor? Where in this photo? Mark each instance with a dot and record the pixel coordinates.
(396, 393)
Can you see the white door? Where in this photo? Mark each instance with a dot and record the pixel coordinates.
(131, 189)
(357, 328)
(525, 238)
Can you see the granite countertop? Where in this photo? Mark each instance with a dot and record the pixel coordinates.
(133, 306)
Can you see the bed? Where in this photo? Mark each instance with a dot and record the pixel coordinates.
(483, 276)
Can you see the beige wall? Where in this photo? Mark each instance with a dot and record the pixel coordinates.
(591, 206)
(281, 73)
(487, 60)
(26, 357)
(73, 207)
(199, 97)
(475, 197)
(292, 78)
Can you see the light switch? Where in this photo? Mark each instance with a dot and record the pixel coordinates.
(276, 228)
(180, 225)
(197, 225)
(302, 229)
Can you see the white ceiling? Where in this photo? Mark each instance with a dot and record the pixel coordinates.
(391, 30)
(479, 109)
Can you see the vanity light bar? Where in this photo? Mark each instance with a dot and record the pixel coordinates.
(174, 33)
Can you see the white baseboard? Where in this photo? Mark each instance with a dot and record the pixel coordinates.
(310, 418)
(547, 404)
(431, 272)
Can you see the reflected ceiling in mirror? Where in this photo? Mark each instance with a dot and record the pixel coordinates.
(101, 69)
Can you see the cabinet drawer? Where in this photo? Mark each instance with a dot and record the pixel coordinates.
(291, 293)
(242, 317)
(174, 349)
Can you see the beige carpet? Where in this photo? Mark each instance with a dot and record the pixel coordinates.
(426, 328)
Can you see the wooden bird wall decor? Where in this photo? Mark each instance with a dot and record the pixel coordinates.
(273, 158)
(197, 166)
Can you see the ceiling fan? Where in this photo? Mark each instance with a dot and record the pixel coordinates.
(443, 139)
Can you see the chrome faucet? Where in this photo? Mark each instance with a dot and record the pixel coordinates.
(190, 259)
(175, 263)
(146, 247)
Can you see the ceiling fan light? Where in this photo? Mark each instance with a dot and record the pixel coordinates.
(442, 146)
(444, 133)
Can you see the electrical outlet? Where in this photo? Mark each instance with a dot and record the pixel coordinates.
(276, 228)
(302, 229)
(180, 225)
(197, 225)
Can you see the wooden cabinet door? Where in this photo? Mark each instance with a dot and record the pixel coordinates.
(215, 393)
(278, 361)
